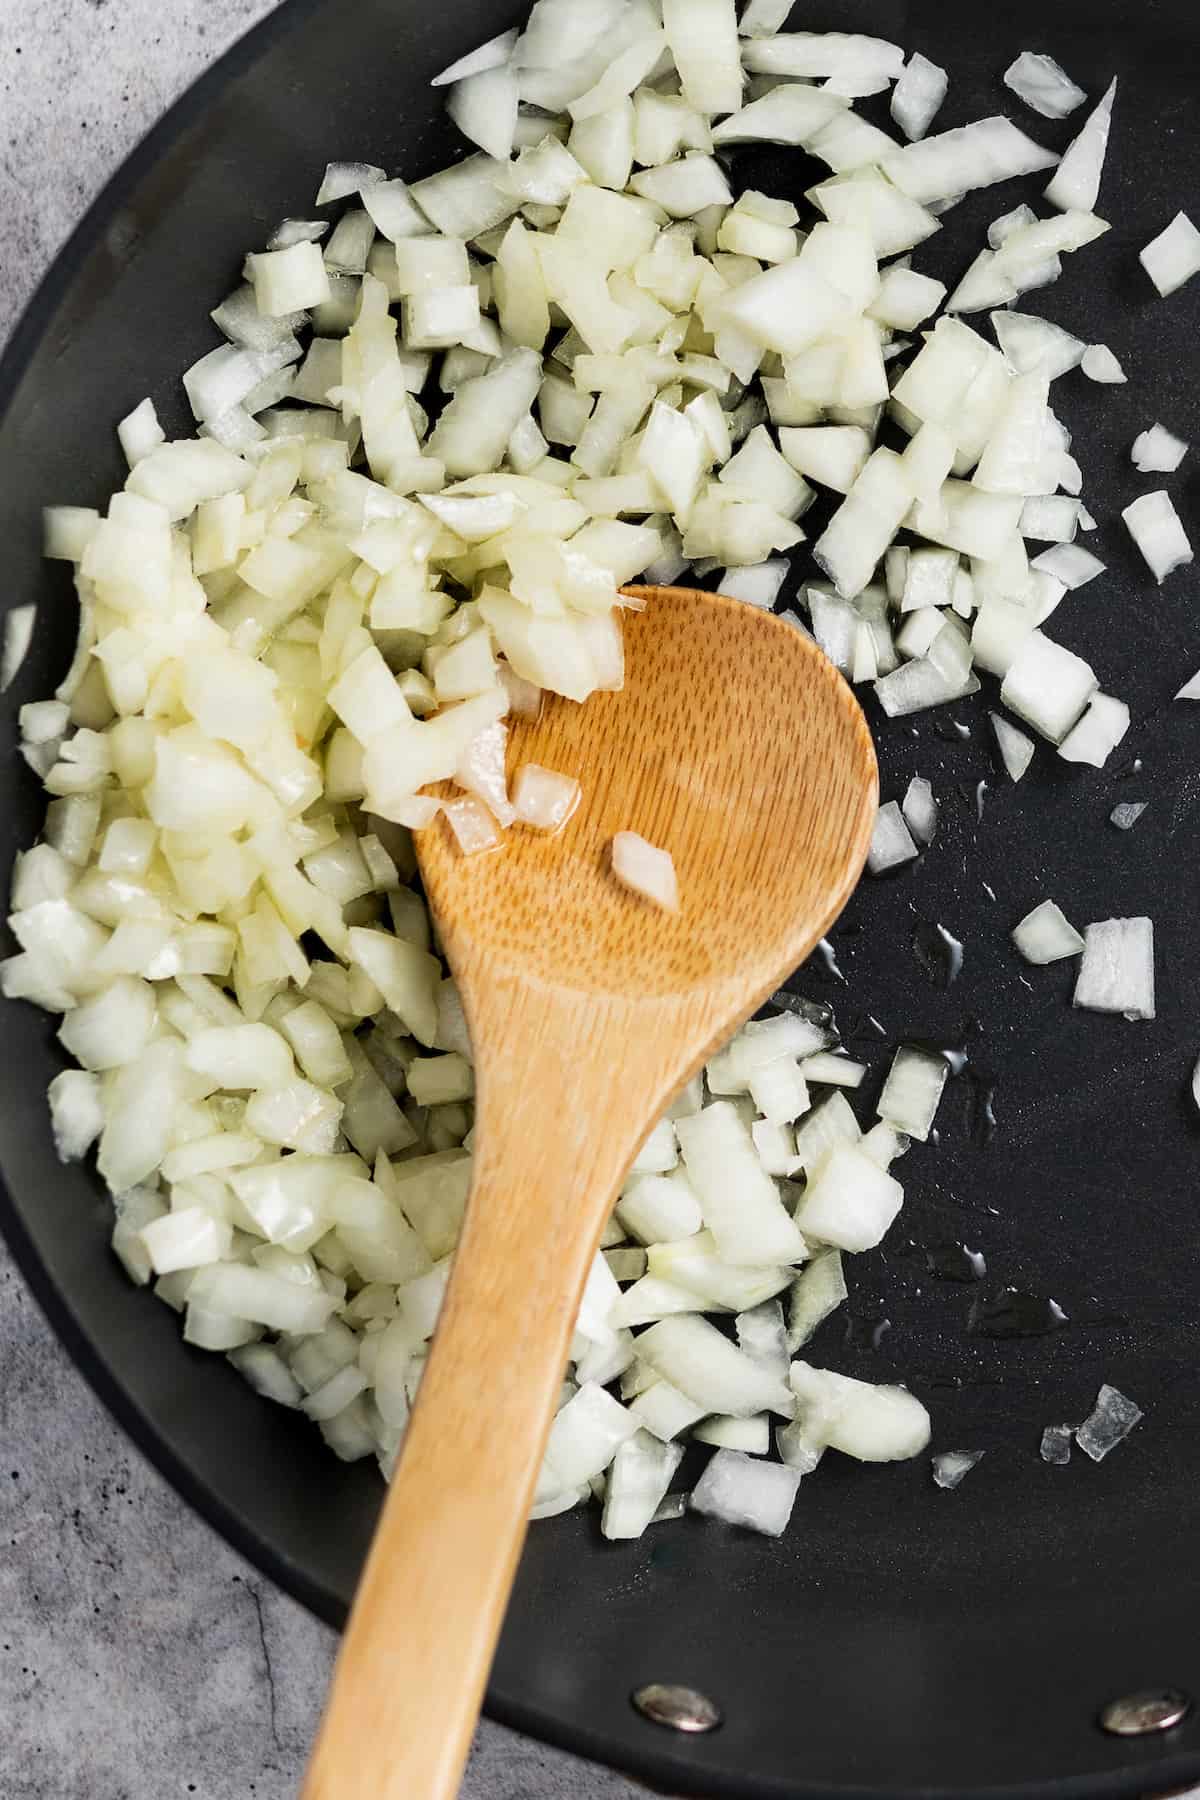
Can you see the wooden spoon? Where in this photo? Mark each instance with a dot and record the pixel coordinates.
(736, 745)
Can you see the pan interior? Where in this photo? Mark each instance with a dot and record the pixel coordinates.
(899, 1640)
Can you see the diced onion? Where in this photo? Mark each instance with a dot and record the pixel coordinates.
(913, 1091)
(645, 870)
(1173, 257)
(1110, 1421)
(1099, 364)
(918, 95)
(19, 622)
(950, 1466)
(1157, 530)
(1076, 181)
(1043, 85)
(891, 840)
(1157, 449)
(1098, 732)
(743, 1490)
(1117, 971)
(1045, 936)
(920, 810)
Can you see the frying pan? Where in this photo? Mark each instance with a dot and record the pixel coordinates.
(900, 1640)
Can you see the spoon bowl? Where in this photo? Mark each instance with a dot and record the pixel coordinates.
(736, 745)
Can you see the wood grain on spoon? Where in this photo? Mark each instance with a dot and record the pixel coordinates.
(736, 745)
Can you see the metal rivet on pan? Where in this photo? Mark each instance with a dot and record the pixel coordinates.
(1136, 1715)
(678, 1708)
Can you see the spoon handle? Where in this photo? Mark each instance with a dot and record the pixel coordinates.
(560, 1116)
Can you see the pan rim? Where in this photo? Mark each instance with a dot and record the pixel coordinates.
(652, 1762)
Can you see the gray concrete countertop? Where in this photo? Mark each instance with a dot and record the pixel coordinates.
(140, 1659)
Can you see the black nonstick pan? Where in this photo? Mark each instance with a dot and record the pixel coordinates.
(900, 1640)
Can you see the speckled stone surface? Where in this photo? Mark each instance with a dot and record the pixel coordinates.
(140, 1659)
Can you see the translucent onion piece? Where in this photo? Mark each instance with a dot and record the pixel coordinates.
(1043, 85)
(1117, 971)
(19, 622)
(645, 870)
(918, 95)
(891, 841)
(950, 1466)
(1157, 530)
(1157, 450)
(1056, 1444)
(1173, 257)
(743, 1490)
(1076, 181)
(1099, 364)
(1108, 1424)
(1045, 936)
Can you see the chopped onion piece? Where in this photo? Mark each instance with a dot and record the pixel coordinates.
(1110, 1421)
(761, 1334)
(702, 38)
(1173, 257)
(1056, 1444)
(1125, 815)
(1099, 364)
(543, 798)
(849, 1200)
(289, 281)
(19, 622)
(873, 1424)
(740, 1203)
(492, 55)
(918, 95)
(472, 824)
(1045, 936)
(758, 585)
(920, 810)
(891, 841)
(1043, 85)
(483, 105)
(1098, 732)
(343, 179)
(763, 18)
(950, 1466)
(76, 1113)
(972, 156)
(1016, 750)
(1048, 686)
(1117, 971)
(753, 1436)
(1069, 563)
(1030, 343)
(1076, 181)
(1051, 518)
(913, 1091)
(818, 1291)
(140, 433)
(641, 1473)
(744, 1490)
(1157, 530)
(693, 1356)
(645, 870)
(918, 685)
(780, 1092)
(1157, 449)
(587, 1434)
(297, 231)
(829, 1068)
